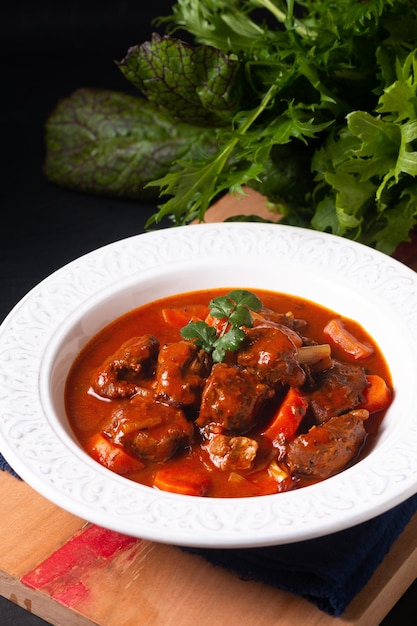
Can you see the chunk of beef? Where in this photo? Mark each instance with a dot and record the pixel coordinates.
(121, 373)
(337, 390)
(232, 453)
(275, 317)
(181, 373)
(231, 400)
(327, 449)
(272, 354)
(148, 429)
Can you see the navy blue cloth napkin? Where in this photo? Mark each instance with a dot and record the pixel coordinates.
(328, 571)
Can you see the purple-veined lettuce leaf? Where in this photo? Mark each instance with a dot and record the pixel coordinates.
(197, 84)
(109, 143)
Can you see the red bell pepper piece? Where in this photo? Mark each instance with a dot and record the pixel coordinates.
(178, 317)
(336, 332)
(288, 417)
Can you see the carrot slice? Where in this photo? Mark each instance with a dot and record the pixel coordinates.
(111, 456)
(288, 417)
(219, 323)
(336, 332)
(183, 482)
(181, 316)
(377, 394)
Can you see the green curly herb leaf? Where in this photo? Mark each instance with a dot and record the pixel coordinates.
(202, 334)
(235, 309)
(230, 341)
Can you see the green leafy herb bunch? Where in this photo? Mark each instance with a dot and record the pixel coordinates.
(313, 103)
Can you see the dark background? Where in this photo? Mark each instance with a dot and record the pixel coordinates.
(49, 49)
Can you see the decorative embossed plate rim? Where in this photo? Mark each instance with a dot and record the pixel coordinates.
(43, 333)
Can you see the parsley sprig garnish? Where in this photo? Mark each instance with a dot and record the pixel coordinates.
(235, 309)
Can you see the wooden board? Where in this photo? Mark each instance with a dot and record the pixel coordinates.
(72, 573)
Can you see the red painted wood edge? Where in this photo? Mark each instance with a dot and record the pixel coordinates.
(64, 574)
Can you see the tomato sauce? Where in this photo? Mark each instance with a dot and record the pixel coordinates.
(87, 412)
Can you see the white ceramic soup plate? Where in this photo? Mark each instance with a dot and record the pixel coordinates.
(43, 334)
